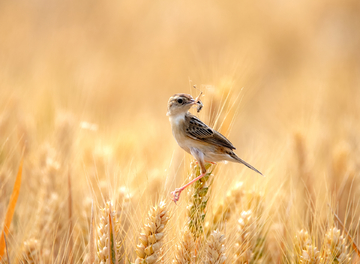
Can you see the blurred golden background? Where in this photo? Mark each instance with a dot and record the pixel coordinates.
(84, 87)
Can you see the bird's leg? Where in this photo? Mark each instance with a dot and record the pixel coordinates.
(200, 158)
(211, 162)
(176, 194)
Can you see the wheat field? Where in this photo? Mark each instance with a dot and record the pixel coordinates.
(87, 157)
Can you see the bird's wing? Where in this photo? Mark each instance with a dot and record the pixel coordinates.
(197, 130)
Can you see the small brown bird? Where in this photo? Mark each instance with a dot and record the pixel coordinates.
(196, 138)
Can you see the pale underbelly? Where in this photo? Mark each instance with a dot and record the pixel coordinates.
(211, 153)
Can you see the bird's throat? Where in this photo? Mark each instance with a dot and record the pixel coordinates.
(177, 120)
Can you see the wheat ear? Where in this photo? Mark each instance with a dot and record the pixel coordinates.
(334, 247)
(106, 234)
(215, 249)
(198, 199)
(152, 234)
(185, 250)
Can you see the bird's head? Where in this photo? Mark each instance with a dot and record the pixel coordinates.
(180, 103)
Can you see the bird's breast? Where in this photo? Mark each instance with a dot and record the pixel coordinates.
(181, 138)
(178, 130)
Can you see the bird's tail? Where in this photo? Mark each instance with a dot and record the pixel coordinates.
(237, 159)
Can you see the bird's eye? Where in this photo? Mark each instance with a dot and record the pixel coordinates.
(180, 101)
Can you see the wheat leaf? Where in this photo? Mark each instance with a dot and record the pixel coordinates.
(92, 236)
(11, 209)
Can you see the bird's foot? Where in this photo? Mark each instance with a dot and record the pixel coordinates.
(175, 195)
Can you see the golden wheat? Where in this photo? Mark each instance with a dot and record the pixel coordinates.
(185, 250)
(227, 208)
(310, 255)
(107, 236)
(31, 252)
(83, 92)
(152, 235)
(198, 198)
(335, 248)
(215, 249)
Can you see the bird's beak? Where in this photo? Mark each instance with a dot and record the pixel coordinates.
(192, 102)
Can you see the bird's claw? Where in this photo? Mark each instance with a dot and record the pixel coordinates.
(175, 195)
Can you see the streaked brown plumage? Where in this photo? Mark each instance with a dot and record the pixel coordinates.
(198, 139)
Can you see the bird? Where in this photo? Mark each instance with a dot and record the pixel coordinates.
(204, 143)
